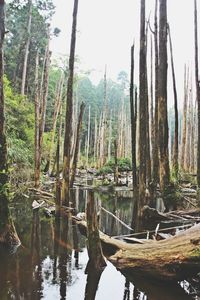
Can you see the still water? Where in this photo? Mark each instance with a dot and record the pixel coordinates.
(51, 261)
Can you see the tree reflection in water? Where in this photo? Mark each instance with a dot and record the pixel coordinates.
(50, 263)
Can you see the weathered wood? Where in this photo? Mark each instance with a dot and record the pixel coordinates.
(96, 259)
(69, 111)
(120, 221)
(174, 258)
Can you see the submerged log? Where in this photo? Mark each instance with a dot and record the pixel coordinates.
(172, 259)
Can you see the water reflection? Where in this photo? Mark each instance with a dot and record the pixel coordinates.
(51, 262)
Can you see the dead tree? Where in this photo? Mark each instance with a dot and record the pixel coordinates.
(28, 32)
(184, 126)
(8, 235)
(96, 259)
(133, 120)
(162, 97)
(142, 109)
(156, 134)
(40, 114)
(75, 159)
(175, 150)
(197, 90)
(69, 111)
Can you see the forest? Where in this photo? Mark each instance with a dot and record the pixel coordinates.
(97, 179)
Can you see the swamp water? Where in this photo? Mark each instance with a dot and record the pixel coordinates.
(51, 261)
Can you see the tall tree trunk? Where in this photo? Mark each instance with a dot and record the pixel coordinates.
(142, 110)
(116, 175)
(148, 156)
(37, 124)
(8, 235)
(3, 145)
(58, 181)
(197, 92)
(152, 144)
(88, 139)
(175, 150)
(156, 133)
(110, 136)
(75, 159)
(184, 126)
(69, 111)
(162, 98)
(133, 119)
(40, 114)
(28, 32)
(57, 107)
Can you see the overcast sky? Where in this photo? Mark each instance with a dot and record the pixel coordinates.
(107, 28)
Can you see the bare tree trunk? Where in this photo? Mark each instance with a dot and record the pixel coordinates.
(148, 156)
(75, 159)
(8, 235)
(37, 124)
(175, 150)
(188, 135)
(152, 110)
(110, 137)
(184, 126)
(58, 181)
(192, 140)
(162, 98)
(133, 120)
(156, 132)
(28, 32)
(197, 93)
(142, 110)
(40, 115)
(57, 107)
(88, 139)
(3, 144)
(116, 175)
(69, 110)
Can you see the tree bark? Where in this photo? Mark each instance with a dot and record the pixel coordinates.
(156, 133)
(175, 150)
(75, 159)
(69, 111)
(8, 235)
(197, 92)
(184, 126)
(133, 120)
(96, 259)
(174, 258)
(142, 109)
(162, 98)
(37, 124)
(28, 32)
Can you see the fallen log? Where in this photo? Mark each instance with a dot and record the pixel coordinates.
(174, 258)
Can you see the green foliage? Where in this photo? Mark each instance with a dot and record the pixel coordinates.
(124, 164)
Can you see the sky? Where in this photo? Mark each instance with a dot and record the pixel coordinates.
(106, 30)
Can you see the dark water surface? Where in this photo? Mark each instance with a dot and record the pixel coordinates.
(51, 261)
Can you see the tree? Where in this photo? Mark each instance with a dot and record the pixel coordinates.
(162, 97)
(7, 231)
(142, 109)
(197, 91)
(69, 110)
(133, 119)
(155, 150)
(175, 150)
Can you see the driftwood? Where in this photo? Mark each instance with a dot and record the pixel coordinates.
(174, 258)
(43, 193)
(120, 221)
(185, 216)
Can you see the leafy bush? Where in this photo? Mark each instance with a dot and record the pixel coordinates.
(124, 164)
